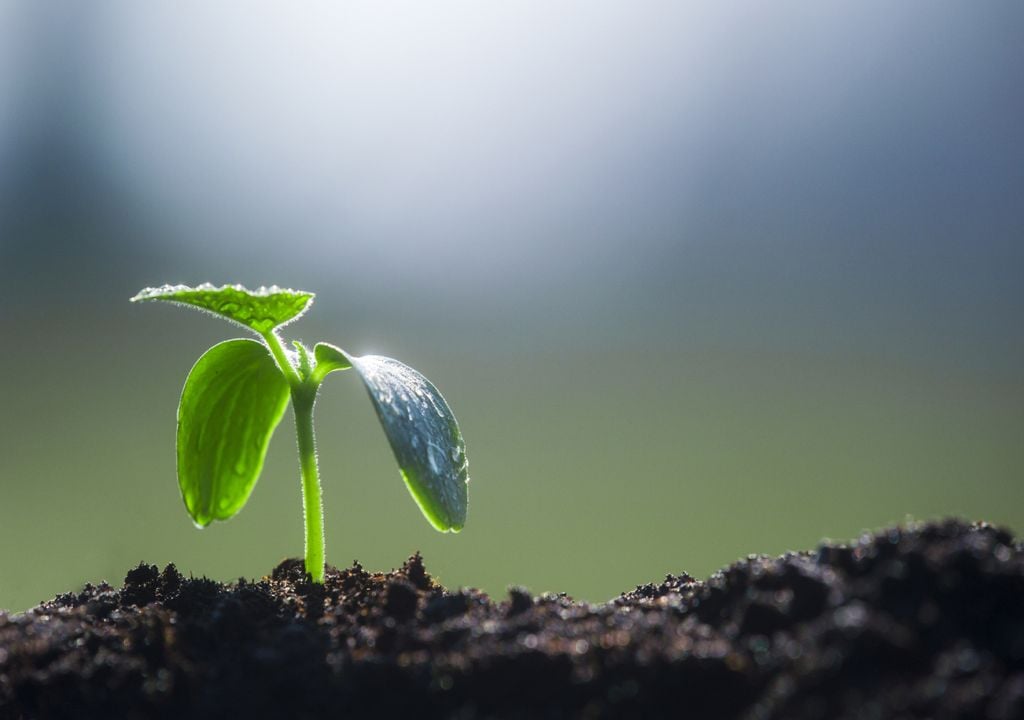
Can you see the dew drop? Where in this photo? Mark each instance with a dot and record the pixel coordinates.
(434, 458)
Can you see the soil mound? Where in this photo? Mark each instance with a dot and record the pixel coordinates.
(918, 622)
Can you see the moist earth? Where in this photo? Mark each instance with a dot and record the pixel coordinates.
(925, 621)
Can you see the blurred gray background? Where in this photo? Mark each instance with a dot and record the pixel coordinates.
(699, 280)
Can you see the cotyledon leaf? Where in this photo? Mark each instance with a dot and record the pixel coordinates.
(261, 310)
(421, 428)
(233, 398)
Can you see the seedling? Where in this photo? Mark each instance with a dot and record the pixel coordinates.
(237, 392)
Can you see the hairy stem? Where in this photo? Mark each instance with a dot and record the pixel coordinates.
(287, 369)
(303, 399)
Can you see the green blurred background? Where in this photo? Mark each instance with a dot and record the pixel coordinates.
(699, 280)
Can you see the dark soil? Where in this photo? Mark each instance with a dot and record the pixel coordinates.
(921, 622)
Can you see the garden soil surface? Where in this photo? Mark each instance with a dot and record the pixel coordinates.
(918, 622)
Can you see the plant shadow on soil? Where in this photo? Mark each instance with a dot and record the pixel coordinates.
(916, 622)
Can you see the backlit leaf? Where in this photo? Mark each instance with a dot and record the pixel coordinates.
(329, 359)
(423, 433)
(261, 310)
(234, 397)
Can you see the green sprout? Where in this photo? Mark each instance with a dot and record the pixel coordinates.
(237, 392)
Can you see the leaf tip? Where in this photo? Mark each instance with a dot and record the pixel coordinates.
(143, 294)
(199, 519)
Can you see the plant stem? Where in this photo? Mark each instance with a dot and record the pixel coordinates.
(303, 399)
(287, 369)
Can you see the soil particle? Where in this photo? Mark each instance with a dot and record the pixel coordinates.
(919, 622)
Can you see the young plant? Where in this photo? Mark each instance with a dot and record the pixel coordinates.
(237, 392)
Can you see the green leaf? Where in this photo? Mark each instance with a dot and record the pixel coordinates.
(423, 433)
(234, 397)
(261, 310)
(329, 359)
(305, 367)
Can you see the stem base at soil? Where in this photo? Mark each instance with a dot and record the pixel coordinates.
(303, 399)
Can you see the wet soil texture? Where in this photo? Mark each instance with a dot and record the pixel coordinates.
(919, 622)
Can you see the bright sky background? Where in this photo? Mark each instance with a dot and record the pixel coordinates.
(700, 279)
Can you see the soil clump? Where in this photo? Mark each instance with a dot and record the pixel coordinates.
(924, 621)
